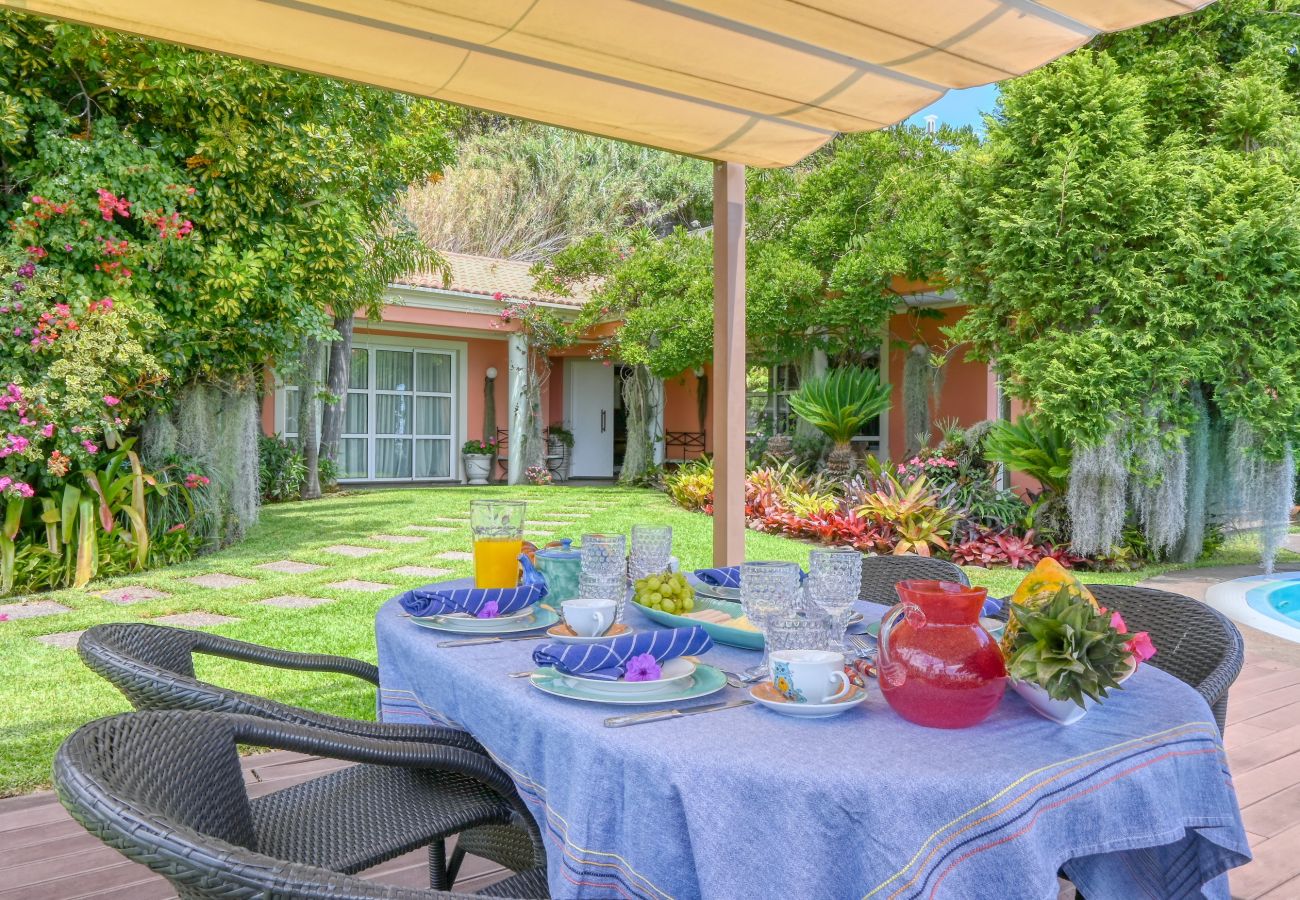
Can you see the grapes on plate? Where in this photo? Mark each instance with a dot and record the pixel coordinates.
(668, 592)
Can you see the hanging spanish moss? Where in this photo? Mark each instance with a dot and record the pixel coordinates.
(918, 376)
(1160, 492)
(642, 424)
(1098, 495)
(1260, 492)
(1198, 471)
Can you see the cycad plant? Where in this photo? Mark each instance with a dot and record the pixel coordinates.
(1038, 449)
(838, 404)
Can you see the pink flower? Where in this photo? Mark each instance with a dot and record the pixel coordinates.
(1141, 647)
(110, 400)
(642, 667)
(48, 430)
(91, 446)
(490, 610)
(1117, 622)
(25, 490)
(498, 296)
(179, 526)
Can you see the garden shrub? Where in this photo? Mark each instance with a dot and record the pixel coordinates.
(281, 470)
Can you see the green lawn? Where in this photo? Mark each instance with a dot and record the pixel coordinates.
(45, 692)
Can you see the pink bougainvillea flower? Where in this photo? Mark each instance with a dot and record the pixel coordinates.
(48, 430)
(90, 446)
(179, 526)
(498, 296)
(110, 400)
(490, 610)
(37, 252)
(18, 332)
(27, 270)
(1141, 647)
(1117, 622)
(67, 248)
(642, 667)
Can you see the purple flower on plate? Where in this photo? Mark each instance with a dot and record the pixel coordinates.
(642, 667)
(490, 610)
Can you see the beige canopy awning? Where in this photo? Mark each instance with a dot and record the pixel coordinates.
(758, 82)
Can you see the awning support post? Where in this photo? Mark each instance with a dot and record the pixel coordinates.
(728, 363)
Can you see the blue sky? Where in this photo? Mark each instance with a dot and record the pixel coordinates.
(957, 108)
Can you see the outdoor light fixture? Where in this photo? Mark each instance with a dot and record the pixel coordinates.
(491, 372)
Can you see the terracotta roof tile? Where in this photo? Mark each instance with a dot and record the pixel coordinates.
(488, 276)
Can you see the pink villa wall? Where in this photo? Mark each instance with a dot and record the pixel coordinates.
(681, 411)
(968, 393)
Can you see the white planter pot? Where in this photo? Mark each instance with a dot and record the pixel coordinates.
(1063, 712)
(478, 468)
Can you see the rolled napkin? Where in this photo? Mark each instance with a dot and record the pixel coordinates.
(992, 606)
(482, 603)
(726, 576)
(607, 660)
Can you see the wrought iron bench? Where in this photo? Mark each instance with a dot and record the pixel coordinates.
(683, 446)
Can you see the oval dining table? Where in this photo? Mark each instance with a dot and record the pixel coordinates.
(1133, 801)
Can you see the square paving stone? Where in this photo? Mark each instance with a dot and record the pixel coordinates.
(457, 555)
(289, 567)
(460, 521)
(33, 610)
(547, 522)
(62, 640)
(397, 538)
(194, 619)
(294, 601)
(532, 532)
(418, 572)
(431, 529)
(124, 595)
(350, 550)
(219, 580)
(353, 584)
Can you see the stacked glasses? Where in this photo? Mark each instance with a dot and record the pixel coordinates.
(767, 590)
(604, 569)
(652, 550)
(834, 581)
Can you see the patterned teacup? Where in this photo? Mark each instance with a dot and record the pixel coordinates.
(810, 676)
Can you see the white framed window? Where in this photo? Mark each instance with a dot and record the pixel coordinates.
(400, 421)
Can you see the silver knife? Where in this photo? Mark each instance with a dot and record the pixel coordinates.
(658, 714)
(470, 642)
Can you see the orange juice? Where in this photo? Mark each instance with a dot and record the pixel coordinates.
(496, 562)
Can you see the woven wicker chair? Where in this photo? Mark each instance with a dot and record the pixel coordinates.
(881, 573)
(153, 666)
(1195, 643)
(165, 789)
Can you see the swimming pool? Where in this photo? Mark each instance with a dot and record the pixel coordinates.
(1270, 603)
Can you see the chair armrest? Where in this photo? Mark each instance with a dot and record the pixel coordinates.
(216, 645)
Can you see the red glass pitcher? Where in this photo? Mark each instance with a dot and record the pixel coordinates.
(937, 665)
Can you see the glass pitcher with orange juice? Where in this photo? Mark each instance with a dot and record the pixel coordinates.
(498, 527)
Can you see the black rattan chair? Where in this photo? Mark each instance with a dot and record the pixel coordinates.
(1194, 642)
(153, 666)
(165, 789)
(881, 573)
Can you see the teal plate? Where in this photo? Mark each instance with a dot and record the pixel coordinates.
(723, 634)
(545, 618)
(706, 680)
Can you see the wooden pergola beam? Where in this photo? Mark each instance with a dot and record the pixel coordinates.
(728, 363)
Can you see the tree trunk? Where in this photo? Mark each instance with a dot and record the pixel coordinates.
(638, 400)
(308, 438)
(340, 372)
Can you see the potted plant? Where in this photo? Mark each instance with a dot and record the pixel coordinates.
(559, 442)
(1067, 655)
(478, 459)
(839, 404)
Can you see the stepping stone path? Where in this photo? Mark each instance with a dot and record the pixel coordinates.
(289, 567)
(460, 521)
(431, 529)
(547, 522)
(350, 550)
(397, 538)
(62, 640)
(534, 533)
(353, 584)
(33, 610)
(294, 601)
(218, 580)
(457, 555)
(125, 595)
(194, 619)
(418, 572)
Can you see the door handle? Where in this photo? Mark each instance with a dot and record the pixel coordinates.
(602, 421)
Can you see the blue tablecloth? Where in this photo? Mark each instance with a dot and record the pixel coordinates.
(1133, 801)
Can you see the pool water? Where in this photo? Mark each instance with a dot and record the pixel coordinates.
(1277, 601)
(1270, 603)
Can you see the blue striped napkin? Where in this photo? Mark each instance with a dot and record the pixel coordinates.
(607, 660)
(727, 576)
(482, 603)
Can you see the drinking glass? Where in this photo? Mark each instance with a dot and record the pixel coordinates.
(834, 581)
(652, 548)
(604, 569)
(767, 589)
(799, 632)
(498, 529)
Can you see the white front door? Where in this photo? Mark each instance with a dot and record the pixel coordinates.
(589, 399)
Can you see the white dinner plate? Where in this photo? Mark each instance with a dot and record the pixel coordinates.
(542, 617)
(706, 680)
(674, 674)
(473, 623)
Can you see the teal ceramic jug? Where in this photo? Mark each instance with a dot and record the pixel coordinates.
(560, 566)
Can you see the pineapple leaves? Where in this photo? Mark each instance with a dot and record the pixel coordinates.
(1068, 647)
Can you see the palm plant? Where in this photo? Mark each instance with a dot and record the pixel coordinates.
(838, 404)
(1036, 448)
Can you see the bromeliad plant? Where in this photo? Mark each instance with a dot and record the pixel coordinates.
(917, 515)
(839, 404)
(1069, 648)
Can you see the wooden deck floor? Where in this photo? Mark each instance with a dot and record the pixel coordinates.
(44, 855)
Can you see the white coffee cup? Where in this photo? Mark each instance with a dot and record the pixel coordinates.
(589, 618)
(810, 676)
